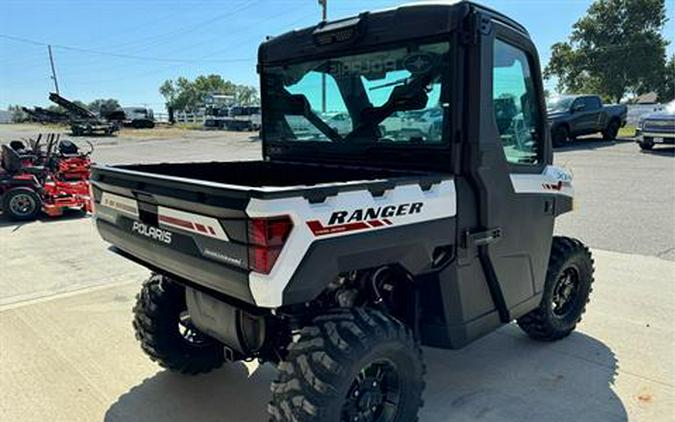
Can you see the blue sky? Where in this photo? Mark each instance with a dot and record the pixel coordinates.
(125, 49)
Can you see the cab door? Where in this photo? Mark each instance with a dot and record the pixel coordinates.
(585, 115)
(594, 106)
(513, 237)
(578, 117)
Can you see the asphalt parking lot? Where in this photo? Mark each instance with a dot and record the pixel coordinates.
(67, 351)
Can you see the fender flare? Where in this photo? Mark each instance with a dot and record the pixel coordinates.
(411, 246)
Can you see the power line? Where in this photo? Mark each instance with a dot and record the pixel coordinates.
(121, 56)
(224, 48)
(153, 21)
(166, 37)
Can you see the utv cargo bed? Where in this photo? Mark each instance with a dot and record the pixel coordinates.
(267, 175)
(192, 220)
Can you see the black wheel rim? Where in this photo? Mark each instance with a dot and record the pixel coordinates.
(565, 293)
(375, 394)
(22, 204)
(189, 333)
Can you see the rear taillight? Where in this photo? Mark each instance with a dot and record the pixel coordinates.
(266, 238)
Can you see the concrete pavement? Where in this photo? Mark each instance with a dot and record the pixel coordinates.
(67, 351)
(72, 357)
(624, 198)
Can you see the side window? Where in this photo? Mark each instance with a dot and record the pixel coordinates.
(592, 103)
(588, 103)
(579, 105)
(515, 105)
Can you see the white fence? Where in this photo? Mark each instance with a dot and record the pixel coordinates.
(189, 117)
(181, 117)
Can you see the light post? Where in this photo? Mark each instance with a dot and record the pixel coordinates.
(324, 17)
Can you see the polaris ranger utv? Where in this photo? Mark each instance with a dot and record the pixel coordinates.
(343, 251)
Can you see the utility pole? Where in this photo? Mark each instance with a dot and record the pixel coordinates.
(51, 61)
(324, 18)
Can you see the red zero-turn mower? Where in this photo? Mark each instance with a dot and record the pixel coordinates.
(33, 179)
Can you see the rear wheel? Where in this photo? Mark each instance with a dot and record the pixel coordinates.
(350, 365)
(163, 327)
(611, 131)
(21, 204)
(560, 136)
(566, 292)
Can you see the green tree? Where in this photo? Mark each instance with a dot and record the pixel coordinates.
(615, 49)
(103, 106)
(186, 95)
(667, 91)
(80, 103)
(18, 115)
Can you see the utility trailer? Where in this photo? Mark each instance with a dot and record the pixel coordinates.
(83, 121)
(341, 252)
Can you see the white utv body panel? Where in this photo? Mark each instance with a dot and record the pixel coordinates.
(440, 201)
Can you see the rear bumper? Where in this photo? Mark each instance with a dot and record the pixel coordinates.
(223, 279)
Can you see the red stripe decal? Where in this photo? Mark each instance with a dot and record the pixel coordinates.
(387, 221)
(176, 222)
(201, 228)
(213, 232)
(319, 229)
(376, 223)
(557, 186)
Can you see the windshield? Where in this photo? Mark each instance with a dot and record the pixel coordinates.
(390, 96)
(559, 103)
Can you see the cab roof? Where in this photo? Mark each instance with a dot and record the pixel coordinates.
(402, 23)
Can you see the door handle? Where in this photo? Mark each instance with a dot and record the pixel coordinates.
(482, 238)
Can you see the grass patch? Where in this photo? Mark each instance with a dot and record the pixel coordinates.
(627, 131)
(159, 131)
(189, 126)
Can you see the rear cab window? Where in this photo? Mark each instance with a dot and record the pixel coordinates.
(347, 98)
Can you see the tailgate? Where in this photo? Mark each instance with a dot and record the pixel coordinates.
(194, 230)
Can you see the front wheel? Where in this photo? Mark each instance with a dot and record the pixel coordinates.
(567, 289)
(350, 365)
(646, 144)
(611, 131)
(21, 204)
(166, 334)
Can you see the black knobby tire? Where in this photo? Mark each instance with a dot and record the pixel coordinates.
(567, 289)
(159, 308)
(560, 136)
(334, 359)
(612, 130)
(646, 144)
(21, 204)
